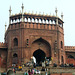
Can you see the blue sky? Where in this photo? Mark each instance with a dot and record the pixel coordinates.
(46, 6)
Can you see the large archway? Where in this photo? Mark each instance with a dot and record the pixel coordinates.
(43, 45)
(39, 55)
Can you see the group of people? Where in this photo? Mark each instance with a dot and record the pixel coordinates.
(32, 71)
(37, 71)
(67, 65)
(64, 65)
(16, 68)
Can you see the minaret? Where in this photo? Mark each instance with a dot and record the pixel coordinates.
(5, 27)
(56, 16)
(22, 12)
(10, 15)
(5, 32)
(62, 16)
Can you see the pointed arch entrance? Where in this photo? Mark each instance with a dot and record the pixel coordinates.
(39, 55)
(41, 44)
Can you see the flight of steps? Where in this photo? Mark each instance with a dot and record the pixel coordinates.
(52, 70)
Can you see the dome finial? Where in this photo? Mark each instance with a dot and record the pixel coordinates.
(10, 11)
(62, 15)
(22, 6)
(56, 11)
(5, 26)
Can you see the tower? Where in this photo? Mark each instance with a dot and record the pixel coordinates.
(32, 34)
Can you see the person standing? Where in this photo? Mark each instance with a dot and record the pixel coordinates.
(26, 73)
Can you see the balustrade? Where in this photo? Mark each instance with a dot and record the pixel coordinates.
(34, 20)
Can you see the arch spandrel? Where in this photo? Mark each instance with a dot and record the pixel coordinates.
(41, 44)
(43, 38)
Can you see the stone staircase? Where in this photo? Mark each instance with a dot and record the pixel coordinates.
(52, 70)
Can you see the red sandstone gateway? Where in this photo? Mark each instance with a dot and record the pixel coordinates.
(35, 35)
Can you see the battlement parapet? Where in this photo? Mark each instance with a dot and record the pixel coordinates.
(70, 48)
(34, 26)
(3, 45)
(30, 25)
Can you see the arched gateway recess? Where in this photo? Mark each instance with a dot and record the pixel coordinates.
(41, 49)
(39, 55)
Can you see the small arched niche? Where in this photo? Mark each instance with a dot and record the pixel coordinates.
(15, 42)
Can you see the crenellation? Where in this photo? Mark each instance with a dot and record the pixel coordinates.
(35, 26)
(3, 44)
(69, 47)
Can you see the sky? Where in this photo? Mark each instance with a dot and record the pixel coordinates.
(46, 6)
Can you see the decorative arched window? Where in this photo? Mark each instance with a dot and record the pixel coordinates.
(15, 42)
(61, 44)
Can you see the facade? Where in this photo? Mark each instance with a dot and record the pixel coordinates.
(35, 35)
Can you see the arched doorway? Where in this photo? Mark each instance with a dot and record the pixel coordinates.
(70, 59)
(39, 55)
(70, 56)
(15, 58)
